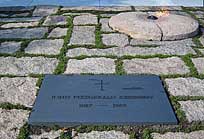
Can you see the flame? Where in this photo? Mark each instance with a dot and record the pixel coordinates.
(162, 13)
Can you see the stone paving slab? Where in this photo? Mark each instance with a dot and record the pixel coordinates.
(47, 135)
(83, 35)
(20, 14)
(45, 10)
(104, 25)
(158, 66)
(11, 121)
(24, 19)
(17, 25)
(185, 86)
(179, 135)
(102, 135)
(131, 51)
(199, 64)
(49, 47)
(17, 9)
(198, 14)
(194, 110)
(157, 8)
(115, 39)
(91, 65)
(55, 20)
(18, 90)
(10, 47)
(25, 33)
(27, 65)
(85, 19)
(186, 42)
(90, 8)
(58, 32)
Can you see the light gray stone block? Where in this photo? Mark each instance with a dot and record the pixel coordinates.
(85, 19)
(55, 20)
(199, 64)
(10, 47)
(115, 39)
(58, 32)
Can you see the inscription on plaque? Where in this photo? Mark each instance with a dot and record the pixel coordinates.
(67, 100)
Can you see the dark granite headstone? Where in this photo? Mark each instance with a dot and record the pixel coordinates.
(68, 100)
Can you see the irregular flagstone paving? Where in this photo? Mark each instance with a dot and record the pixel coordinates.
(83, 35)
(16, 25)
(45, 10)
(199, 64)
(10, 47)
(24, 19)
(85, 19)
(11, 121)
(179, 135)
(19, 90)
(45, 46)
(58, 32)
(194, 110)
(185, 86)
(27, 65)
(25, 33)
(115, 39)
(102, 135)
(40, 40)
(55, 20)
(91, 65)
(164, 66)
(47, 135)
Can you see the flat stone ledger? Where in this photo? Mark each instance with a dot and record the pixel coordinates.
(166, 27)
(69, 100)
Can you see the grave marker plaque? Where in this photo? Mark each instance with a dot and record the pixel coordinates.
(68, 100)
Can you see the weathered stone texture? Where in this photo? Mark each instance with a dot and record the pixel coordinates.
(163, 66)
(11, 121)
(85, 19)
(55, 20)
(185, 86)
(91, 65)
(19, 90)
(58, 32)
(199, 64)
(27, 65)
(45, 10)
(17, 25)
(194, 110)
(45, 47)
(115, 39)
(10, 47)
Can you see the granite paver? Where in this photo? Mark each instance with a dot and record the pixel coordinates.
(10, 47)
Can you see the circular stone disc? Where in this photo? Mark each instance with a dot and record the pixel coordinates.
(170, 27)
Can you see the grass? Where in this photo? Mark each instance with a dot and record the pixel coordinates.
(24, 133)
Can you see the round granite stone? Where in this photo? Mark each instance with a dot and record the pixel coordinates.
(168, 27)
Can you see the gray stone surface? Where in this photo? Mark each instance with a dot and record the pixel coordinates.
(132, 51)
(185, 86)
(171, 27)
(10, 47)
(202, 40)
(16, 25)
(180, 43)
(90, 65)
(157, 8)
(179, 135)
(45, 47)
(115, 39)
(194, 110)
(27, 65)
(25, 33)
(199, 64)
(16, 9)
(20, 14)
(24, 19)
(11, 121)
(55, 20)
(85, 19)
(18, 90)
(47, 135)
(158, 66)
(45, 10)
(83, 35)
(101, 8)
(102, 135)
(58, 32)
(104, 25)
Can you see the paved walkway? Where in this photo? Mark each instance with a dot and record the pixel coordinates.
(73, 40)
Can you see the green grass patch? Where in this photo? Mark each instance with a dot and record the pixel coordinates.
(119, 67)
(146, 134)
(9, 106)
(24, 132)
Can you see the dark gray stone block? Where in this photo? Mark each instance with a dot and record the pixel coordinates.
(68, 100)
